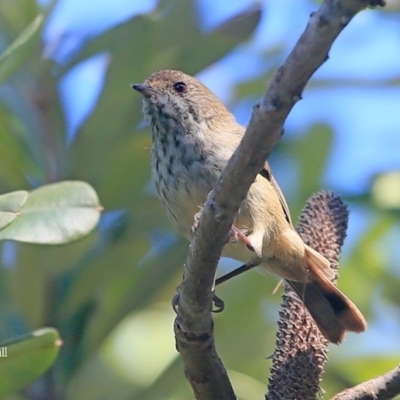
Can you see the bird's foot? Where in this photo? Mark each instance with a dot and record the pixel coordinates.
(175, 303)
(218, 304)
(236, 235)
(196, 220)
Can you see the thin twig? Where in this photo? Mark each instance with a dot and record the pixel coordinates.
(384, 387)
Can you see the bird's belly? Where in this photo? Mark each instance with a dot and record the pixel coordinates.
(181, 199)
(183, 180)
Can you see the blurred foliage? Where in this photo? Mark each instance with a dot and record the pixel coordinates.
(109, 294)
(27, 358)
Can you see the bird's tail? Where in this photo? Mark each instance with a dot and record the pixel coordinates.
(331, 310)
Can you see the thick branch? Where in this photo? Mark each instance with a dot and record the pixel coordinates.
(194, 322)
(384, 387)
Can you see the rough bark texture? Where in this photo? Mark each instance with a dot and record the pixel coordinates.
(384, 387)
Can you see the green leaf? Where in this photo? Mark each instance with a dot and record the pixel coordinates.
(386, 190)
(311, 151)
(17, 52)
(131, 289)
(16, 158)
(27, 358)
(368, 253)
(10, 206)
(55, 214)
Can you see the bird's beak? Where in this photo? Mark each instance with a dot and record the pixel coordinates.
(144, 90)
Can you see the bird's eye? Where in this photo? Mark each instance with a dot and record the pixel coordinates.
(180, 87)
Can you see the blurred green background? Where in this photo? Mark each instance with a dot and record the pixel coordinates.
(67, 112)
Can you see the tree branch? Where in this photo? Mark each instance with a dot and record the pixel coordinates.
(193, 325)
(384, 387)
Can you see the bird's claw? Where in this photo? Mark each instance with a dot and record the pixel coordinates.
(196, 220)
(175, 303)
(236, 235)
(217, 303)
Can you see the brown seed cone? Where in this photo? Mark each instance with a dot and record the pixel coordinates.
(300, 352)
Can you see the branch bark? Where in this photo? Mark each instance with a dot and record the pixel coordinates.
(384, 387)
(193, 324)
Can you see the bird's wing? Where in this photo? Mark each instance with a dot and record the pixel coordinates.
(317, 263)
(267, 174)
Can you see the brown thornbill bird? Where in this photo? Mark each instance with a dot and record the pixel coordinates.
(193, 136)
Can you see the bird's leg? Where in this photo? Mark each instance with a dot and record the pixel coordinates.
(235, 234)
(235, 272)
(219, 303)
